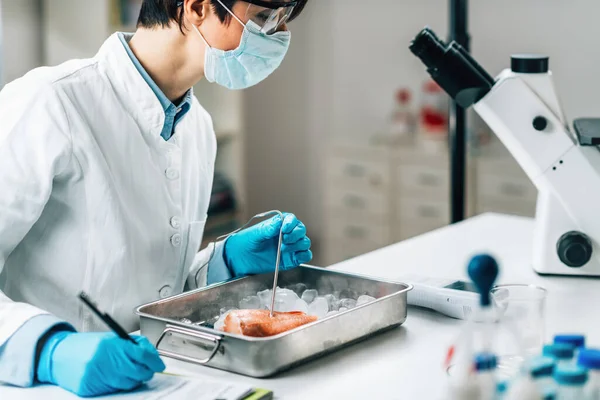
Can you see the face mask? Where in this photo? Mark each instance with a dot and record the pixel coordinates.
(257, 57)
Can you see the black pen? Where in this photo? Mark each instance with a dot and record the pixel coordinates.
(106, 318)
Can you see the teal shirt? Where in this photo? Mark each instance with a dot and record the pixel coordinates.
(173, 113)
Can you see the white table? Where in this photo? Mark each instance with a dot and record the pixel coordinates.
(407, 362)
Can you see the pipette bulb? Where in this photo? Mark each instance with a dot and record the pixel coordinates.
(483, 271)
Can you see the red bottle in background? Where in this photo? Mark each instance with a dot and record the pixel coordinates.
(433, 115)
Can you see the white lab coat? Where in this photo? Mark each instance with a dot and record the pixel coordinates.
(93, 198)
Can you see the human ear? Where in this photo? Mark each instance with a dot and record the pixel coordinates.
(197, 11)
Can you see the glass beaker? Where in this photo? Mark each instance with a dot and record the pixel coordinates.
(521, 309)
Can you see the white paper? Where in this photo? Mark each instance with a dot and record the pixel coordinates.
(174, 387)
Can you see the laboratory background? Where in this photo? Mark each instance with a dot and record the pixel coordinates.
(350, 134)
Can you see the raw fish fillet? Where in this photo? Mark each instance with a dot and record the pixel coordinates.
(258, 323)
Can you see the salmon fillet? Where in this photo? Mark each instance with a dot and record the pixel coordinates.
(258, 323)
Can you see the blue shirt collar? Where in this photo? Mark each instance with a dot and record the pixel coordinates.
(173, 114)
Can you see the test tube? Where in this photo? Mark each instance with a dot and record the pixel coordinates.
(590, 359)
(577, 341)
(541, 370)
(562, 353)
(571, 380)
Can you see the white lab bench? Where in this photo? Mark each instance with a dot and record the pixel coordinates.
(406, 363)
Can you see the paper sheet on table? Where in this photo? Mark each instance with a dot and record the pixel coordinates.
(175, 387)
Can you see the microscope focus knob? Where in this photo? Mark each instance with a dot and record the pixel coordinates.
(574, 249)
(540, 123)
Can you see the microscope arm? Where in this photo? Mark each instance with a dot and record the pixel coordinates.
(523, 110)
(550, 157)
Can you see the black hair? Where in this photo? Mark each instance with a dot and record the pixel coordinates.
(160, 13)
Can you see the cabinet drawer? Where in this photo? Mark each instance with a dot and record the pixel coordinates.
(505, 188)
(348, 200)
(359, 230)
(522, 208)
(359, 173)
(423, 179)
(423, 211)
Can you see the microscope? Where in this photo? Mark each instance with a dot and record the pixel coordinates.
(522, 108)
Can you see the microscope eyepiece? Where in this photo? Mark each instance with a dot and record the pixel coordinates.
(452, 68)
(428, 48)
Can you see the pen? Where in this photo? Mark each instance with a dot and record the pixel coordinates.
(106, 318)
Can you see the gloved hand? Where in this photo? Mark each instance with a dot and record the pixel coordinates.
(93, 364)
(254, 250)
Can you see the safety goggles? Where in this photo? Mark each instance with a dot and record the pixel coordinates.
(268, 15)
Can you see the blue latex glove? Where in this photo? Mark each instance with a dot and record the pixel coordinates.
(254, 250)
(93, 364)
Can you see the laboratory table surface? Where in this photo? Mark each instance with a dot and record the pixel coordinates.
(406, 363)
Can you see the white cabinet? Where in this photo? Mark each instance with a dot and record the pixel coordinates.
(378, 196)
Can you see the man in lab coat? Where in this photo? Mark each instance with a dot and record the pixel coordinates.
(106, 168)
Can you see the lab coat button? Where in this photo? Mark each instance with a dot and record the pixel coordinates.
(175, 223)
(165, 291)
(176, 240)
(172, 173)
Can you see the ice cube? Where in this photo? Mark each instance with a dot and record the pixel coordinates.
(285, 300)
(287, 292)
(298, 288)
(348, 303)
(333, 302)
(324, 285)
(364, 299)
(221, 321)
(348, 294)
(301, 306)
(310, 295)
(330, 313)
(319, 307)
(265, 298)
(342, 309)
(225, 310)
(250, 303)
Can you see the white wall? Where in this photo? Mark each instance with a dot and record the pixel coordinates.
(349, 56)
(22, 37)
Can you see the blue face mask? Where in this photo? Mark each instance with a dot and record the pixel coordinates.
(257, 56)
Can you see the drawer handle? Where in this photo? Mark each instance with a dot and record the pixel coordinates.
(428, 180)
(354, 201)
(511, 189)
(428, 212)
(355, 232)
(355, 171)
(170, 329)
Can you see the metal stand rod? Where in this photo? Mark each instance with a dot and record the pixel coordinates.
(458, 120)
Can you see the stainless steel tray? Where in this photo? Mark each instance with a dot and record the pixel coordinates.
(264, 357)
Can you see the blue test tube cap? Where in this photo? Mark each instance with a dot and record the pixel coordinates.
(549, 394)
(570, 375)
(541, 367)
(483, 271)
(559, 351)
(485, 362)
(502, 387)
(575, 340)
(589, 358)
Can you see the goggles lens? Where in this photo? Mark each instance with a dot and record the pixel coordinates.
(269, 19)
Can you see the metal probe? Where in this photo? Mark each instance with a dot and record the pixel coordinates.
(263, 215)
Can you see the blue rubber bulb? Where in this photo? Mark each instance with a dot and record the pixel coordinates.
(483, 270)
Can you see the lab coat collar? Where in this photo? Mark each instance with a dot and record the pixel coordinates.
(132, 90)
